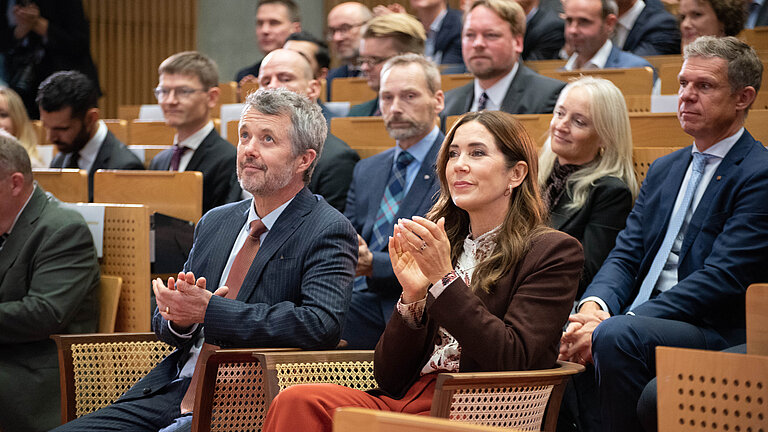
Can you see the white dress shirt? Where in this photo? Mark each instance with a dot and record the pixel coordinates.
(597, 61)
(626, 22)
(91, 149)
(192, 143)
(497, 92)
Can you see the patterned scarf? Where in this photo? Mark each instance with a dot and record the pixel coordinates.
(556, 182)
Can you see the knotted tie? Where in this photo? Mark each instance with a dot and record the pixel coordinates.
(700, 160)
(178, 151)
(482, 101)
(72, 162)
(237, 272)
(390, 203)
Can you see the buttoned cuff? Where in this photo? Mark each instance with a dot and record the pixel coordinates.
(184, 335)
(597, 300)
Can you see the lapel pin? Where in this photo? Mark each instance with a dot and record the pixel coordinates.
(719, 177)
(426, 176)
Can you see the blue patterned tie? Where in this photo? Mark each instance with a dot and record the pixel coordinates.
(700, 160)
(390, 203)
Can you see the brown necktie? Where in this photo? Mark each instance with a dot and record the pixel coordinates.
(237, 273)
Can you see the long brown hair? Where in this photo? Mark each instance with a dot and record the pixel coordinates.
(525, 216)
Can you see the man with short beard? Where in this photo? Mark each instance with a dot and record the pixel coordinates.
(491, 43)
(397, 183)
(70, 114)
(272, 271)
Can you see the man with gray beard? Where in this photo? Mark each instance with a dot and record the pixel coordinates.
(397, 183)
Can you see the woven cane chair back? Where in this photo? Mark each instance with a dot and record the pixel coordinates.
(238, 399)
(97, 369)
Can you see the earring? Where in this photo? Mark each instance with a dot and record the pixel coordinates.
(508, 192)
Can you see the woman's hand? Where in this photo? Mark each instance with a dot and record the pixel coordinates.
(428, 244)
(406, 270)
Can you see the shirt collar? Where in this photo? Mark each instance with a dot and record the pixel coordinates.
(628, 19)
(91, 148)
(194, 140)
(438, 22)
(597, 61)
(531, 14)
(420, 149)
(269, 219)
(722, 147)
(498, 91)
(16, 219)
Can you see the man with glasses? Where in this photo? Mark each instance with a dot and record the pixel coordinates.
(385, 37)
(345, 23)
(70, 114)
(187, 92)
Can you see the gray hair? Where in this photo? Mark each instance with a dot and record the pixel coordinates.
(744, 66)
(431, 72)
(13, 158)
(308, 128)
(609, 7)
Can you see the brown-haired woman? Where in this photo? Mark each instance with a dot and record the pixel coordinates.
(486, 285)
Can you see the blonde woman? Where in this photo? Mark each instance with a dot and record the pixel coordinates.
(586, 168)
(14, 120)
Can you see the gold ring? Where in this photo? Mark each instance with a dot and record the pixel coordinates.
(167, 310)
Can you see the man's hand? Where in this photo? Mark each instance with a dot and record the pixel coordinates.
(364, 258)
(184, 301)
(576, 341)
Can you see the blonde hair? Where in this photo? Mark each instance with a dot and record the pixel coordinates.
(24, 130)
(509, 11)
(609, 115)
(406, 30)
(525, 218)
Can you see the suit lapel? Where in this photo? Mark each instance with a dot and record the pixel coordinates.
(284, 227)
(227, 239)
(105, 150)
(417, 194)
(561, 215)
(724, 170)
(22, 230)
(199, 155)
(511, 102)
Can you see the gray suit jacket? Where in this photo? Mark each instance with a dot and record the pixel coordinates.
(49, 277)
(112, 155)
(294, 295)
(529, 93)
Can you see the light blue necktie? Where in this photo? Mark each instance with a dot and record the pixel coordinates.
(700, 160)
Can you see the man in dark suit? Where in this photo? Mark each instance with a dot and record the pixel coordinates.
(285, 68)
(646, 28)
(397, 183)
(695, 240)
(40, 37)
(345, 24)
(443, 27)
(589, 25)
(187, 92)
(543, 31)
(275, 21)
(69, 112)
(49, 276)
(272, 271)
(385, 37)
(492, 40)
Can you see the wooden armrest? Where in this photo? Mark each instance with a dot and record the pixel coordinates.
(362, 419)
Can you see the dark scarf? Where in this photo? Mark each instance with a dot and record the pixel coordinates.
(558, 178)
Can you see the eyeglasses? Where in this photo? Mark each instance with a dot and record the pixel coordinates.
(343, 29)
(371, 61)
(182, 93)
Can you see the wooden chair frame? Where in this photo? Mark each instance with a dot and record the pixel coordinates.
(757, 319)
(369, 420)
(66, 184)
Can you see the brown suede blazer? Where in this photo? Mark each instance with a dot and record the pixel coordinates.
(517, 326)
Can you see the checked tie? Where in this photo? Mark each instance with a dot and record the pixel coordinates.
(390, 203)
(675, 228)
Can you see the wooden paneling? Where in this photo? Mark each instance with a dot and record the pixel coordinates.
(129, 39)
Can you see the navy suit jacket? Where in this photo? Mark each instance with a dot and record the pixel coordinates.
(112, 155)
(364, 197)
(216, 158)
(294, 295)
(529, 93)
(333, 172)
(723, 250)
(655, 32)
(448, 38)
(618, 59)
(544, 35)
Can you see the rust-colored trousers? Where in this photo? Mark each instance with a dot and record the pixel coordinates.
(310, 407)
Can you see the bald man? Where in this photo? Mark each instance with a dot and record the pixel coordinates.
(333, 174)
(345, 27)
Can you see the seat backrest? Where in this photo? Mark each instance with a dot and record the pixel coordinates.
(119, 128)
(96, 369)
(128, 112)
(537, 125)
(643, 157)
(248, 88)
(711, 390)
(150, 132)
(545, 65)
(68, 185)
(227, 93)
(756, 37)
(366, 135)
(361, 419)
(177, 194)
(147, 152)
(354, 90)
(668, 76)
(526, 400)
(451, 81)
(109, 299)
(657, 130)
(232, 133)
(757, 319)
(632, 81)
